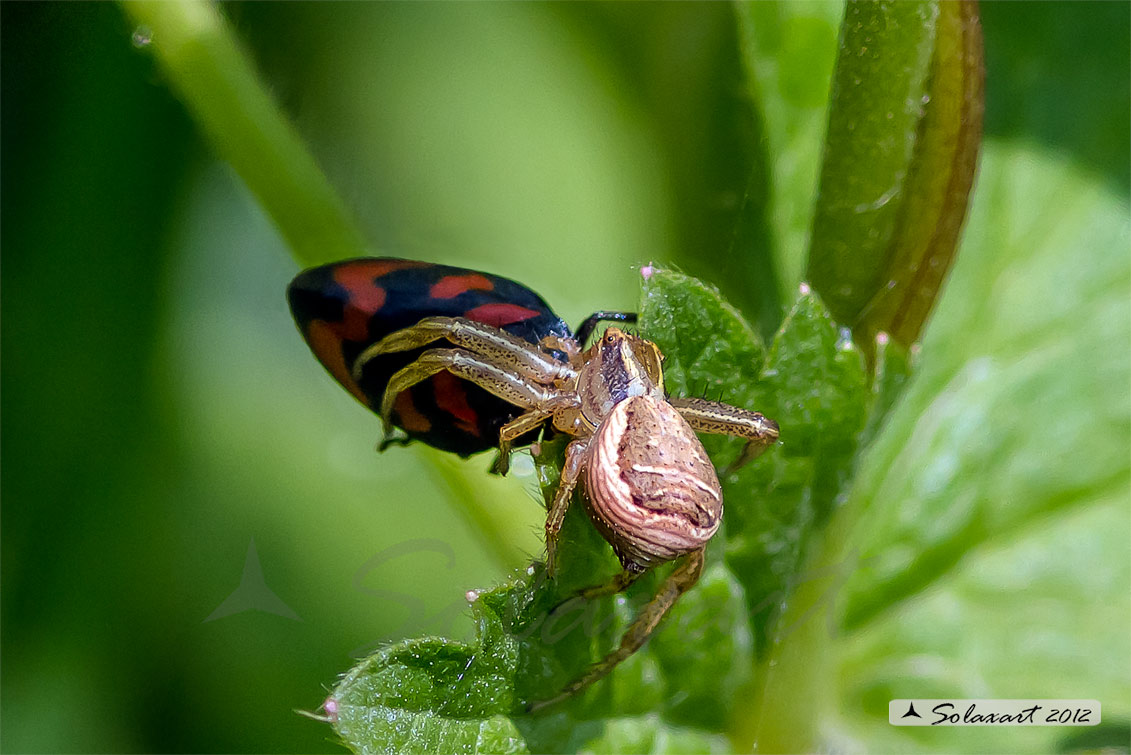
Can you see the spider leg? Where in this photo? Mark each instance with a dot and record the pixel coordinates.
(516, 428)
(618, 584)
(489, 374)
(571, 471)
(677, 583)
(589, 325)
(392, 440)
(493, 344)
(722, 419)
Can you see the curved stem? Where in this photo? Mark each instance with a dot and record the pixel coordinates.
(218, 84)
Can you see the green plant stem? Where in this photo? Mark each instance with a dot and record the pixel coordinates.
(218, 84)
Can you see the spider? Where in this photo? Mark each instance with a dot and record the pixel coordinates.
(651, 490)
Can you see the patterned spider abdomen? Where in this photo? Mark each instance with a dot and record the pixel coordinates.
(653, 493)
(344, 307)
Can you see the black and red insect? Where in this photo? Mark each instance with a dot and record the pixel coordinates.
(344, 307)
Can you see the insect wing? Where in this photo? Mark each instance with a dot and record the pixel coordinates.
(344, 307)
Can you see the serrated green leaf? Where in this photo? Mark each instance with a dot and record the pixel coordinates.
(434, 695)
(706, 645)
(817, 376)
(813, 384)
(709, 349)
(904, 129)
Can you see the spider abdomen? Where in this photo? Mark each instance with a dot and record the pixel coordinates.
(653, 492)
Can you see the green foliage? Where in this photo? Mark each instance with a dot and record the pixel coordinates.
(954, 529)
(893, 368)
(685, 685)
(811, 381)
(982, 549)
(1028, 373)
(958, 481)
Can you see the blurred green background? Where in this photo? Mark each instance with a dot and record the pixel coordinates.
(160, 413)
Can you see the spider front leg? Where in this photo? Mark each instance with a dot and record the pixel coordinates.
(516, 428)
(488, 374)
(493, 344)
(622, 581)
(723, 419)
(576, 453)
(678, 582)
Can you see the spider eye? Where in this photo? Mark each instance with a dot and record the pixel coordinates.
(610, 339)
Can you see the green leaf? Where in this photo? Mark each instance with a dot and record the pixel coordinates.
(709, 349)
(1017, 375)
(902, 146)
(983, 552)
(818, 393)
(432, 695)
(813, 385)
(1040, 613)
(435, 695)
(817, 375)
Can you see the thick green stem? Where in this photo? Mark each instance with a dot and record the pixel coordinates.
(219, 86)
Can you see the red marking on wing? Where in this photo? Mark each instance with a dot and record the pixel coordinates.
(451, 396)
(451, 286)
(379, 268)
(327, 346)
(408, 416)
(500, 314)
(366, 297)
